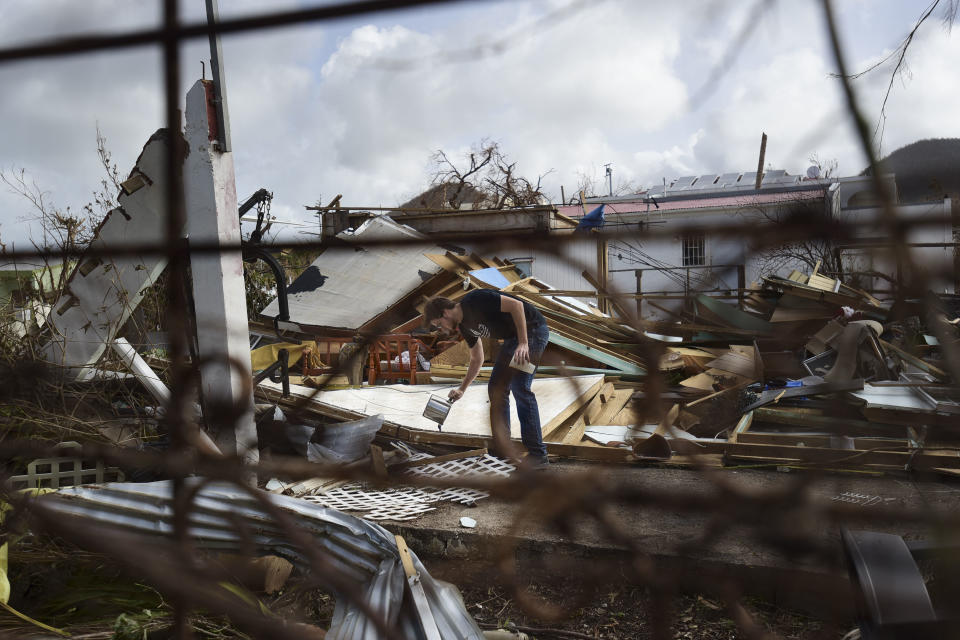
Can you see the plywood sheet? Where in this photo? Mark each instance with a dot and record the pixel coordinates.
(402, 405)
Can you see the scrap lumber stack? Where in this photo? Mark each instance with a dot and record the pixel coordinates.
(815, 374)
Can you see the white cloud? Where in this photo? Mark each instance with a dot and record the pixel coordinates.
(323, 109)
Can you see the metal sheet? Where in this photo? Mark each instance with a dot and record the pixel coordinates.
(346, 287)
(227, 517)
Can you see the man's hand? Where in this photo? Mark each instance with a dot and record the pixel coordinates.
(454, 395)
(522, 354)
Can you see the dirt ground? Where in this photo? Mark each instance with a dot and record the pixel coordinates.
(629, 612)
(101, 603)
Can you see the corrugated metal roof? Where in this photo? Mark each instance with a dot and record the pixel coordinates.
(346, 287)
(732, 201)
(228, 517)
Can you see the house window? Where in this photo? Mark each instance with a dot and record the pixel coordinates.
(524, 266)
(694, 250)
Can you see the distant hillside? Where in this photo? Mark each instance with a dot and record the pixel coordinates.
(926, 170)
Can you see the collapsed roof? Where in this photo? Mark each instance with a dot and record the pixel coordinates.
(347, 286)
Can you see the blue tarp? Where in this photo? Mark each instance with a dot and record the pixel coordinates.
(593, 220)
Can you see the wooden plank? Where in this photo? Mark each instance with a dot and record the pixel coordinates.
(842, 457)
(613, 331)
(590, 338)
(482, 262)
(626, 416)
(804, 291)
(917, 362)
(446, 263)
(591, 453)
(798, 419)
(573, 451)
(715, 395)
(702, 381)
(595, 406)
(572, 408)
(736, 363)
(601, 288)
(813, 440)
(595, 353)
(687, 328)
(520, 285)
(463, 263)
(376, 460)
(575, 434)
(742, 427)
(311, 485)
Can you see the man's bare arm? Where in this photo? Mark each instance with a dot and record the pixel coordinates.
(476, 361)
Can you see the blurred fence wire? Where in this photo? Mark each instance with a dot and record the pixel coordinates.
(787, 517)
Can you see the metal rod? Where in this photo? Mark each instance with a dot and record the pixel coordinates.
(219, 82)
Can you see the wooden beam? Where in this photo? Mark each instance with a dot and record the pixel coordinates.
(917, 362)
(798, 419)
(813, 440)
(595, 353)
(742, 427)
(617, 401)
(842, 457)
(595, 407)
(572, 408)
(575, 435)
(376, 459)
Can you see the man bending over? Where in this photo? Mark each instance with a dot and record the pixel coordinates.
(484, 313)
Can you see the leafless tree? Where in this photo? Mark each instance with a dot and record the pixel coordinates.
(486, 177)
(948, 14)
(826, 168)
(807, 253)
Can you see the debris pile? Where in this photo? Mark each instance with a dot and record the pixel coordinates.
(808, 371)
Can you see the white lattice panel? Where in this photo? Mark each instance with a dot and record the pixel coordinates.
(407, 503)
(393, 504)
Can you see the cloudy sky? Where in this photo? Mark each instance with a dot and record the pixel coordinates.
(566, 86)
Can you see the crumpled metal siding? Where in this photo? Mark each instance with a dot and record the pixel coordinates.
(364, 551)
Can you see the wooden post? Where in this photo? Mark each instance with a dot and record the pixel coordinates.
(639, 274)
(741, 283)
(763, 153)
(603, 272)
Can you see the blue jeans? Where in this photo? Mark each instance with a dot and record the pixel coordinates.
(504, 379)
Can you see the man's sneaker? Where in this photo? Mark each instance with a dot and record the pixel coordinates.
(536, 462)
